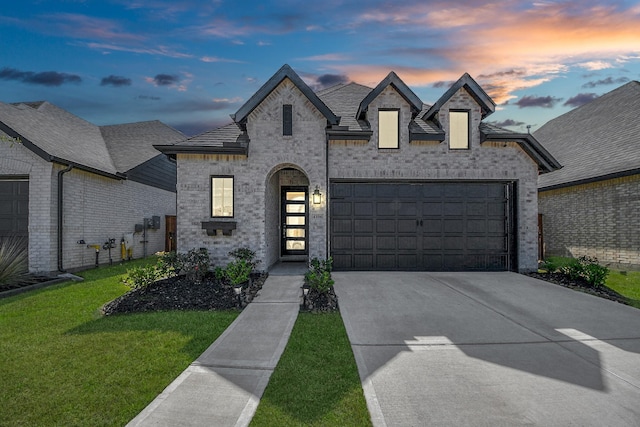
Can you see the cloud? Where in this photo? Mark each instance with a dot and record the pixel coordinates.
(537, 101)
(84, 27)
(508, 123)
(545, 39)
(596, 65)
(443, 84)
(326, 57)
(607, 81)
(218, 59)
(149, 98)
(166, 79)
(45, 78)
(580, 99)
(116, 81)
(158, 51)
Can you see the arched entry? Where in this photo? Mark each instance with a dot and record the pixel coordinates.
(287, 214)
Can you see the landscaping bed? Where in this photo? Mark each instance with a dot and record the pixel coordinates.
(579, 284)
(180, 293)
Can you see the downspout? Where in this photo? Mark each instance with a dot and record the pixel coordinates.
(60, 212)
(326, 198)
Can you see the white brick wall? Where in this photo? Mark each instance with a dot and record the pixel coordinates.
(95, 208)
(257, 180)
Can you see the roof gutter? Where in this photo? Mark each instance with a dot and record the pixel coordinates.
(60, 213)
(583, 181)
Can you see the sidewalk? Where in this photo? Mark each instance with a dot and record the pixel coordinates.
(224, 385)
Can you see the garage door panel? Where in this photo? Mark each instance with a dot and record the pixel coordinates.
(339, 208)
(363, 225)
(385, 226)
(363, 208)
(450, 226)
(363, 242)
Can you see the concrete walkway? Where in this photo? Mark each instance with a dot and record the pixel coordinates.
(224, 385)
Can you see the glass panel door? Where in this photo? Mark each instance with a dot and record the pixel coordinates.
(295, 205)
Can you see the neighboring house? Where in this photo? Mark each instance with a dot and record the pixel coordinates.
(368, 176)
(67, 184)
(590, 206)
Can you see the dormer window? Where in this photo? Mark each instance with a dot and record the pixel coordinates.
(459, 130)
(287, 120)
(388, 128)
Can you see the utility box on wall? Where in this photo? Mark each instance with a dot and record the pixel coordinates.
(155, 222)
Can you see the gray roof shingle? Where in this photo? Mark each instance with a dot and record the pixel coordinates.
(57, 135)
(601, 138)
(131, 144)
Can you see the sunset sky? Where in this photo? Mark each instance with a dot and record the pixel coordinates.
(192, 63)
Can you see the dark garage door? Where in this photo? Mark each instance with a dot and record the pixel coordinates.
(444, 226)
(14, 208)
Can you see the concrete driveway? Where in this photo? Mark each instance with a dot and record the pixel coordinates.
(490, 349)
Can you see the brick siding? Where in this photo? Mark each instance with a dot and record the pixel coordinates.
(599, 220)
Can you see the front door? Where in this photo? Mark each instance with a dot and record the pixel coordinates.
(295, 206)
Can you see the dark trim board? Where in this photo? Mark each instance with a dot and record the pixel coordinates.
(423, 226)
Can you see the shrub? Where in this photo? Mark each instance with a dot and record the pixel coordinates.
(167, 264)
(14, 262)
(319, 275)
(237, 272)
(141, 277)
(549, 265)
(588, 269)
(194, 264)
(245, 254)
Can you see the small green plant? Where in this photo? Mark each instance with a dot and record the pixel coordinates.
(247, 255)
(237, 272)
(588, 269)
(549, 265)
(319, 275)
(194, 264)
(14, 262)
(141, 277)
(167, 264)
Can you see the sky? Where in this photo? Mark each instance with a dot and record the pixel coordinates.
(193, 63)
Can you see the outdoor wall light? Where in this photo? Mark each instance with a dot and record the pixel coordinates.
(316, 196)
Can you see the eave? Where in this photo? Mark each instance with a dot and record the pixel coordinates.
(546, 162)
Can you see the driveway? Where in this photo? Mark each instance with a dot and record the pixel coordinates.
(490, 349)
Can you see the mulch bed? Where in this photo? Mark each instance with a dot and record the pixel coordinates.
(581, 285)
(320, 302)
(178, 293)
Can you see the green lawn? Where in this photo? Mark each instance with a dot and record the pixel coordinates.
(65, 365)
(316, 382)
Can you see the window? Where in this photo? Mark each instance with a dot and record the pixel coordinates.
(222, 196)
(388, 129)
(287, 119)
(459, 130)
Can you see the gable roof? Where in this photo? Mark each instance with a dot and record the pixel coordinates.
(284, 72)
(395, 81)
(474, 89)
(546, 162)
(228, 139)
(595, 141)
(131, 144)
(58, 136)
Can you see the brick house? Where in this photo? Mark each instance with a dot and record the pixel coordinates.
(590, 206)
(66, 184)
(370, 176)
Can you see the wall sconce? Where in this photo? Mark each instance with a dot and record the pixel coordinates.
(316, 196)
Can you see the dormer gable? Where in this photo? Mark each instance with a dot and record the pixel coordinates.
(285, 72)
(400, 86)
(467, 82)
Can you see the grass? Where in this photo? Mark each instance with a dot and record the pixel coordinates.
(316, 382)
(627, 284)
(65, 365)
